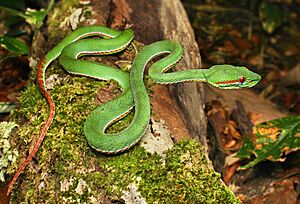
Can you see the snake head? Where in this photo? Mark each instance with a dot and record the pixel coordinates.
(231, 77)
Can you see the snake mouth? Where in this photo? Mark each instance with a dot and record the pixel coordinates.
(254, 81)
(229, 86)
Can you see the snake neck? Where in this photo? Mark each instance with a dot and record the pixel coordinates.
(197, 75)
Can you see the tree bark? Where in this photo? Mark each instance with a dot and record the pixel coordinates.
(165, 19)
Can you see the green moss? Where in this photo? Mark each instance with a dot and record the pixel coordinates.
(121, 124)
(188, 178)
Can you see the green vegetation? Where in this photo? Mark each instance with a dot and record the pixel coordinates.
(273, 140)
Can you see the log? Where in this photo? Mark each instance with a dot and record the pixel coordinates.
(158, 20)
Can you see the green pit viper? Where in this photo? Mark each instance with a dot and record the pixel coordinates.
(134, 93)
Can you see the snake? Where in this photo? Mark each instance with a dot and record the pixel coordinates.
(101, 40)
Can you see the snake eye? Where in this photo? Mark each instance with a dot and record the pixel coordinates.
(242, 80)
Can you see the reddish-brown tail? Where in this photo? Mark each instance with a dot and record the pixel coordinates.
(40, 80)
(35, 149)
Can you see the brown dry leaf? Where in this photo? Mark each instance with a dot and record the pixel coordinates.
(254, 117)
(230, 144)
(232, 126)
(242, 197)
(230, 170)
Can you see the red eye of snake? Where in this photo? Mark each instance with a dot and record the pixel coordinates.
(242, 79)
